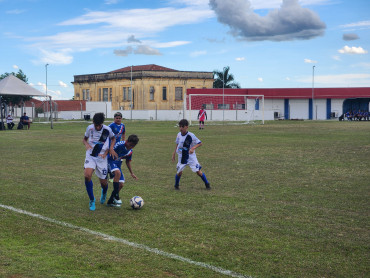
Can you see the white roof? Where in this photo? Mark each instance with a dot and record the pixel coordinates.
(12, 85)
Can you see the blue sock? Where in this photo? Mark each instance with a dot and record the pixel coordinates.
(105, 189)
(89, 189)
(204, 178)
(177, 179)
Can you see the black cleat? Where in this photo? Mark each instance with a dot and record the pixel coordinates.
(208, 186)
(177, 187)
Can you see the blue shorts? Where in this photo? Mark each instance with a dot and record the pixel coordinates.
(114, 166)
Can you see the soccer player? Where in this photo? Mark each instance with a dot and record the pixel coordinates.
(119, 131)
(202, 115)
(186, 143)
(96, 141)
(118, 127)
(124, 151)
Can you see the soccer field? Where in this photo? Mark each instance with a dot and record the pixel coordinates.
(288, 199)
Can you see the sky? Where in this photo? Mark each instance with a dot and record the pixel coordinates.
(266, 43)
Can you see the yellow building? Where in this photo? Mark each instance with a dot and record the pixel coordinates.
(153, 87)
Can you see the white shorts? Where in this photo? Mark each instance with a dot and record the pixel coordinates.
(99, 164)
(192, 163)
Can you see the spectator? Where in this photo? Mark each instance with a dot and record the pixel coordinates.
(9, 121)
(25, 120)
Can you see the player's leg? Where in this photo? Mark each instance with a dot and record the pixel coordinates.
(114, 197)
(196, 167)
(179, 167)
(89, 186)
(104, 189)
(200, 124)
(204, 179)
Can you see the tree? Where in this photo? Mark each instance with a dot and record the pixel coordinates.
(14, 100)
(223, 79)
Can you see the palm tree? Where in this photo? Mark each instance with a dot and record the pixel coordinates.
(223, 79)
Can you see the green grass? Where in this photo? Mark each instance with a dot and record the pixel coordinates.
(288, 199)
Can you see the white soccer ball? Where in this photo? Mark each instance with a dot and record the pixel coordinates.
(136, 202)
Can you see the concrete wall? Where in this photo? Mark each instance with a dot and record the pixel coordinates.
(298, 109)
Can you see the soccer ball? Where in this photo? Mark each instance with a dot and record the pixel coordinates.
(136, 202)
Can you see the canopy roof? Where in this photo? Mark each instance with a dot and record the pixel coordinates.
(12, 85)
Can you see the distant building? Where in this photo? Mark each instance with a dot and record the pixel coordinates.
(290, 103)
(153, 87)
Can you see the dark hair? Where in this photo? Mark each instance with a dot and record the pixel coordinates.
(118, 114)
(184, 122)
(98, 118)
(133, 139)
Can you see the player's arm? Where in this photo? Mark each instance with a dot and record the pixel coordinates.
(111, 149)
(128, 164)
(86, 143)
(174, 153)
(194, 147)
(103, 155)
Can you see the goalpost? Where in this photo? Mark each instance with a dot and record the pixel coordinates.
(227, 108)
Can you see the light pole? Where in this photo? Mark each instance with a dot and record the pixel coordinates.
(313, 93)
(46, 70)
(131, 93)
(223, 95)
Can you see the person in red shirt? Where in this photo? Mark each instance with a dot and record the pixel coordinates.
(202, 115)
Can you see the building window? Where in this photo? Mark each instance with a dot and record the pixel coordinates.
(83, 94)
(151, 93)
(99, 94)
(178, 93)
(77, 95)
(129, 93)
(126, 93)
(105, 94)
(110, 94)
(164, 93)
(223, 106)
(208, 106)
(87, 94)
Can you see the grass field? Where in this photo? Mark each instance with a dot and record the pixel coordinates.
(288, 199)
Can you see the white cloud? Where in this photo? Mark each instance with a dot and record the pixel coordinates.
(287, 78)
(309, 61)
(335, 57)
(198, 53)
(357, 24)
(116, 29)
(352, 50)
(260, 79)
(141, 50)
(15, 67)
(55, 57)
(62, 84)
(169, 44)
(240, 59)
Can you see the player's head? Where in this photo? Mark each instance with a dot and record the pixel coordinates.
(183, 123)
(118, 118)
(132, 141)
(183, 126)
(98, 120)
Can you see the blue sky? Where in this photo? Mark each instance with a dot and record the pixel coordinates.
(266, 43)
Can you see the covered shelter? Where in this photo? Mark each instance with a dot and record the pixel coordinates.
(12, 85)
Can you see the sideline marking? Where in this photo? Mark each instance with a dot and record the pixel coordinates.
(129, 243)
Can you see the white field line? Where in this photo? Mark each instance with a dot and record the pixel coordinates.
(129, 243)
